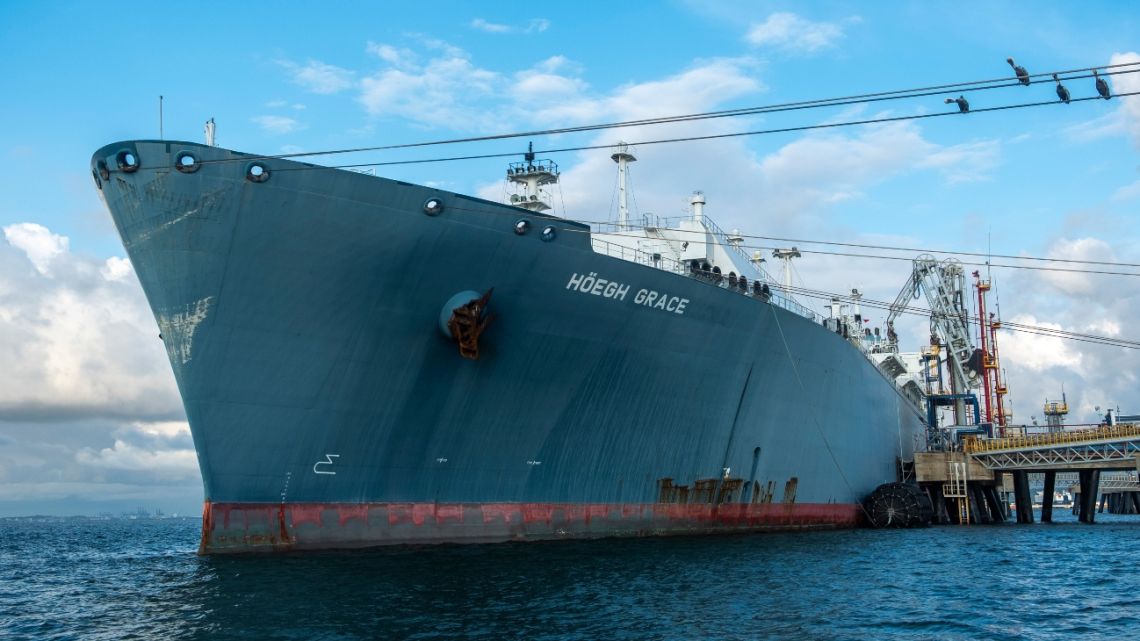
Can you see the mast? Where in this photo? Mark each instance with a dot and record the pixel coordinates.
(622, 157)
(530, 176)
(787, 255)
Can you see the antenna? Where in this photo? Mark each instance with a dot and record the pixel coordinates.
(160, 136)
(989, 252)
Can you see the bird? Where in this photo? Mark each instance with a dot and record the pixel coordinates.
(1022, 74)
(1062, 93)
(1101, 86)
(963, 106)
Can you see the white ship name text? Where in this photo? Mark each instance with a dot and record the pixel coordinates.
(594, 285)
(591, 284)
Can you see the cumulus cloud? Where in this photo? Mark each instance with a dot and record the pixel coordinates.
(1072, 283)
(789, 32)
(276, 124)
(169, 455)
(319, 77)
(1037, 352)
(89, 411)
(38, 243)
(76, 334)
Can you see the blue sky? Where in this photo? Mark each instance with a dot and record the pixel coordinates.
(88, 412)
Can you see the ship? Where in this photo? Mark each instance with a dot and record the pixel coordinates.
(365, 361)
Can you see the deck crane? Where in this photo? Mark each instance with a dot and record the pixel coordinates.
(944, 286)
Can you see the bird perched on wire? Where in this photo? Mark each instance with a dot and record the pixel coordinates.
(963, 106)
(1101, 86)
(1022, 74)
(1062, 92)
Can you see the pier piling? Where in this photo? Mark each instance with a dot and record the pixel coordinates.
(1022, 497)
(1090, 480)
(1047, 496)
(993, 501)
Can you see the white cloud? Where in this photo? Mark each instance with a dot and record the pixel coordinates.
(534, 25)
(441, 92)
(1127, 83)
(1072, 283)
(116, 268)
(276, 124)
(490, 27)
(164, 463)
(394, 56)
(78, 338)
(319, 77)
(1037, 352)
(40, 245)
(789, 32)
(1127, 192)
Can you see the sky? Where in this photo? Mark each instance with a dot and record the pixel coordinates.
(90, 420)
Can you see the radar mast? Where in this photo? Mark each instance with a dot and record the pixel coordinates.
(529, 178)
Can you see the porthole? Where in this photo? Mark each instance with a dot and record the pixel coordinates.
(257, 172)
(104, 173)
(127, 161)
(548, 233)
(186, 163)
(522, 226)
(433, 206)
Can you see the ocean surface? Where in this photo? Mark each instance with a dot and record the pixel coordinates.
(123, 579)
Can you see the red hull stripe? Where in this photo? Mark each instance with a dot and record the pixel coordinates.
(244, 527)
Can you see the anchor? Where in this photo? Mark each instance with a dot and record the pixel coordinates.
(467, 321)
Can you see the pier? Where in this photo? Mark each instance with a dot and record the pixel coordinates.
(966, 486)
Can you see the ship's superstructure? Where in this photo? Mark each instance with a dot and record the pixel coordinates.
(366, 362)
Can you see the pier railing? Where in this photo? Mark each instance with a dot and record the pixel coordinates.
(1106, 432)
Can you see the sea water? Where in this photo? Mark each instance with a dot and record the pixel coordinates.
(142, 579)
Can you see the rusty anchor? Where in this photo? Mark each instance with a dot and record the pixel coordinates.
(467, 322)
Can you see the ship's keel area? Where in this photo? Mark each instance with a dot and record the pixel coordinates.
(268, 527)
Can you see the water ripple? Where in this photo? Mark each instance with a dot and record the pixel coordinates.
(77, 579)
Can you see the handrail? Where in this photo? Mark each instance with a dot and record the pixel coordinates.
(1104, 432)
(776, 297)
(635, 256)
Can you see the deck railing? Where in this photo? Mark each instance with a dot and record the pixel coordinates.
(1103, 433)
(636, 256)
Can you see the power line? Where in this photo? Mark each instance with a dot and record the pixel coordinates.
(1019, 327)
(907, 249)
(977, 85)
(1064, 270)
(662, 141)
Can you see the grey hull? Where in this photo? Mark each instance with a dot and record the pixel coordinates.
(301, 315)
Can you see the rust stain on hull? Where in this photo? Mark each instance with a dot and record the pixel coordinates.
(253, 527)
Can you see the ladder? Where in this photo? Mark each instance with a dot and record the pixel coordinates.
(956, 488)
